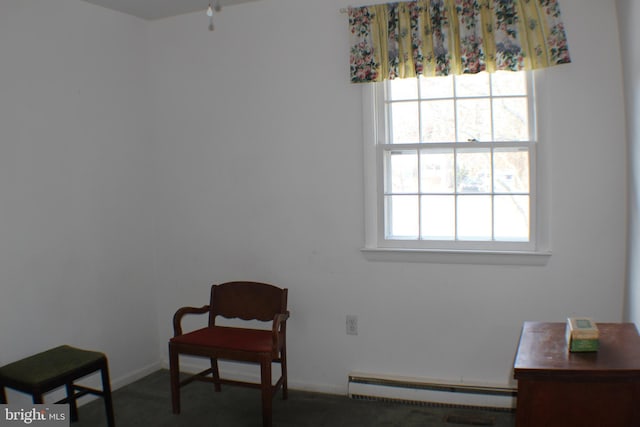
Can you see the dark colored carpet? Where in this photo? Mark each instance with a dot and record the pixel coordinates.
(147, 403)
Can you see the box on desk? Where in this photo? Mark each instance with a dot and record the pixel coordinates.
(582, 334)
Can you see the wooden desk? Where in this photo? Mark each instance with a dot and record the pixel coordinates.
(558, 388)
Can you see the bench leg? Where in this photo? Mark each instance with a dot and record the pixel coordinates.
(106, 394)
(71, 399)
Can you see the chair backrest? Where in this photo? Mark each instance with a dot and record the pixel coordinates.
(247, 301)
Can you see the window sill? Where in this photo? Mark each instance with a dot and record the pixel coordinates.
(457, 256)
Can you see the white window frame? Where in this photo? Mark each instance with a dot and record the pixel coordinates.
(376, 247)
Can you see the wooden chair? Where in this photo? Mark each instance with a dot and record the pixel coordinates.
(241, 300)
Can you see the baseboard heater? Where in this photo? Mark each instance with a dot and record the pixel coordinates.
(429, 392)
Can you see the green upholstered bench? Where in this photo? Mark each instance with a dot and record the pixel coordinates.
(57, 367)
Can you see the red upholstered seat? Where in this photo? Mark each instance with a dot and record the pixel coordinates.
(240, 339)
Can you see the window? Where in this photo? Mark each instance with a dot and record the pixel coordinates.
(452, 163)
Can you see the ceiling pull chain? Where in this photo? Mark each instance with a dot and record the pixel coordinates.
(210, 15)
(210, 10)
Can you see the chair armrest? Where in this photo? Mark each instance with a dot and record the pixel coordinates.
(177, 317)
(279, 325)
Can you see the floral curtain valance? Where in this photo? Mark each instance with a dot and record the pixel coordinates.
(441, 37)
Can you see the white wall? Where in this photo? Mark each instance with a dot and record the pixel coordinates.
(75, 255)
(259, 169)
(628, 16)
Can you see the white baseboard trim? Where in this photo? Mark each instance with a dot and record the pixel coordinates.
(251, 373)
(94, 381)
(135, 375)
(428, 391)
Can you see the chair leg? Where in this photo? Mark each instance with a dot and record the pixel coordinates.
(174, 370)
(215, 372)
(106, 394)
(283, 367)
(267, 396)
(71, 400)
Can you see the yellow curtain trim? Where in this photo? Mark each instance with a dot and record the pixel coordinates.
(534, 35)
(454, 42)
(429, 69)
(488, 35)
(380, 35)
(525, 35)
(406, 67)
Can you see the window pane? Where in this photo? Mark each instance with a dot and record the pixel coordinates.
(508, 83)
(511, 170)
(474, 120)
(439, 187)
(401, 217)
(473, 173)
(438, 123)
(474, 218)
(436, 170)
(404, 122)
(401, 89)
(472, 85)
(510, 119)
(436, 87)
(438, 217)
(402, 171)
(511, 218)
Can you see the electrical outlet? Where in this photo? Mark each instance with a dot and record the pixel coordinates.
(352, 325)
